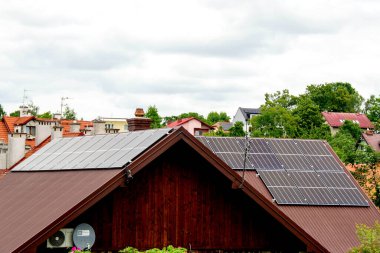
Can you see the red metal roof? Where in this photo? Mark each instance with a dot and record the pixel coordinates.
(34, 204)
(336, 119)
(373, 140)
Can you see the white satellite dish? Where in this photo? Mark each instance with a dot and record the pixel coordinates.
(84, 236)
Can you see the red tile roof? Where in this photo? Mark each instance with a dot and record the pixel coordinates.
(23, 120)
(180, 122)
(3, 132)
(336, 119)
(66, 124)
(373, 140)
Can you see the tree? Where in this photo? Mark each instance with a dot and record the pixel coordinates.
(335, 97)
(282, 99)
(307, 114)
(351, 128)
(369, 238)
(237, 129)
(33, 109)
(15, 114)
(344, 146)
(274, 122)
(214, 117)
(2, 112)
(45, 115)
(69, 113)
(152, 113)
(372, 108)
(192, 114)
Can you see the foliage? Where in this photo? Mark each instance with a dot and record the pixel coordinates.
(351, 128)
(218, 132)
(152, 113)
(2, 112)
(344, 146)
(69, 113)
(274, 122)
(15, 114)
(33, 109)
(307, 114)
(369, 238)
(335, 97)
(282, 99)
(192, 114)
(372, 108)
(169, 249)
(45, 115)
(214, 117)
(237, 129)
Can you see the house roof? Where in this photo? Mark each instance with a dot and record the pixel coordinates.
(373, 140)
(44, 195)
(180, 122)
(247, 112)
(3, 132)
(336, 119)
(65, 123)
(224, 125)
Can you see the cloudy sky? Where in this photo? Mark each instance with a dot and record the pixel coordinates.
(110, 57)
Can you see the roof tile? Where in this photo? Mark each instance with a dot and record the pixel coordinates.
(336, 119)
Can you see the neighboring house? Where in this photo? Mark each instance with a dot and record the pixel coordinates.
(192, 125)
(115, 124)
(336, 119)
(158, 187)
(372, 139)
(225, 126)
(244, 115)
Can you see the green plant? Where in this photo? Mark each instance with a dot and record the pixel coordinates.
(168, 249)
(78, 250)
(369, 238)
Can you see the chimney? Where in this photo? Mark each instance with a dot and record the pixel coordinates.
(139, 122)
(16, 148)
(99, 126)
(43, 130)
(75, 127)
(57, 115)
(24, 111)
(56, 132)
(369, 132)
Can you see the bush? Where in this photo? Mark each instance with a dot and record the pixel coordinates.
(169, 249)
(369, 238)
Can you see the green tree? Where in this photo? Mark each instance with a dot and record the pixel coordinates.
(15, 114)
(307, 114)
(283, 99)
(33, 109)
(2, 112)
(274, 122)
(335, 97)
(344, 146)
(192, 114)
(351, 128)
(214, 117)
(69, 113)
(152, 113)
(45, 115)
(237, 129)
(372, 108)
(369, 238)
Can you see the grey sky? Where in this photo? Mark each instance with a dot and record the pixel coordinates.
(111, 57)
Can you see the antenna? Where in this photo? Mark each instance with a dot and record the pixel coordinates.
(63, 103)
(24, 97)
(245, 156)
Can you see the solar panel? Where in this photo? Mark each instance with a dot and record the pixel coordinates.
(296, 172)
(98, 151)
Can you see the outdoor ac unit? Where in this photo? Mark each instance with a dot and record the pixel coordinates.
(62, 239)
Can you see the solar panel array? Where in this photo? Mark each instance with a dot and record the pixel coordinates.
(92, 152)
(296, 172)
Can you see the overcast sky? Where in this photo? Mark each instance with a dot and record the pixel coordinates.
(110, 57)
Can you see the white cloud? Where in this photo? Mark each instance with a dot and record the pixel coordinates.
(182, 55)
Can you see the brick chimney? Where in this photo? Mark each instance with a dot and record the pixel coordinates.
(139, 122)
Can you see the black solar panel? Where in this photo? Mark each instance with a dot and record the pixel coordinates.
(89, 152)
(296, 172)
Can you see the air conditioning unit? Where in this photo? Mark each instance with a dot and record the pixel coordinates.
(62, 239)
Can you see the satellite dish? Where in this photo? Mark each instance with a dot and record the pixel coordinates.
(57, 239)
(84, 236)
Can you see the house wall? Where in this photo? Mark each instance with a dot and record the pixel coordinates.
(182, 200)
(240, 117)
(191, 125)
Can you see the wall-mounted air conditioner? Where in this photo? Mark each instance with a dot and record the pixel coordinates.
(62, 239)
